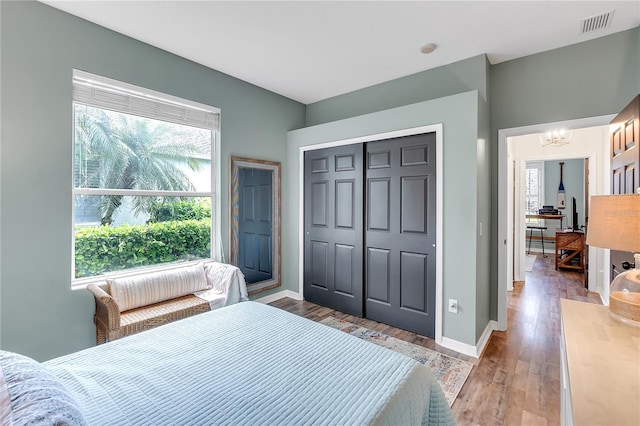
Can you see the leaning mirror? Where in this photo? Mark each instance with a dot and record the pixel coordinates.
(255, 221)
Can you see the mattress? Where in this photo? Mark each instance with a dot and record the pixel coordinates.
(250, 364)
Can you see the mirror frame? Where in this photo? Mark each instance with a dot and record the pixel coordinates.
(238, 163)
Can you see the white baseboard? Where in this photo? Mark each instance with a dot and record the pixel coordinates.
(279, 295)
(486, 335)
(604, 300)
(470, 350)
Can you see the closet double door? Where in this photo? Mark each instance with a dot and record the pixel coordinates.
(369, 246)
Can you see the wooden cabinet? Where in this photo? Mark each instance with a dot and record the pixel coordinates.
(600, 367)
(570, 250)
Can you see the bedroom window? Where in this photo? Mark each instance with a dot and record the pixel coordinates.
(534, 189)
(142, 178)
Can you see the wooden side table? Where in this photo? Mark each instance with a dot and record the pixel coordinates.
(570, 250)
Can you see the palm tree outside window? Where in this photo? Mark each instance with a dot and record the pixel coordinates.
(142, 178)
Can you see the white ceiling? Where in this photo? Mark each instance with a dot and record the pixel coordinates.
(313, 50)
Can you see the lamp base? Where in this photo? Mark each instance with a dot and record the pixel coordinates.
(625, 307)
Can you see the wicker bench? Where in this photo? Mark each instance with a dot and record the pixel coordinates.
(114, 320)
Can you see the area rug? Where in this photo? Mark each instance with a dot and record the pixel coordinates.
(529, 261)
(450, 372)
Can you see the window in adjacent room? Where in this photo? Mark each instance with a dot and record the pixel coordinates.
(534, 189)
(143, 182)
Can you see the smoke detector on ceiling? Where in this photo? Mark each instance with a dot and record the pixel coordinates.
(428, 48)
(596, 23)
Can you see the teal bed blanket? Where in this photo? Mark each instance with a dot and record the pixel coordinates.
(249, 364)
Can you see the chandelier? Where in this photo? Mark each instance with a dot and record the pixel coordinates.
(556, 137)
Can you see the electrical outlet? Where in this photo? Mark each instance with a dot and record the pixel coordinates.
(453, 306)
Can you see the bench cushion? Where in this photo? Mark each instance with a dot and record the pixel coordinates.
(153, 287)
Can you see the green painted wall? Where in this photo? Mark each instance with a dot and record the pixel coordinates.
(458, 77)
(483, 188)
(40, 315)
(593, 78)
(459, 115)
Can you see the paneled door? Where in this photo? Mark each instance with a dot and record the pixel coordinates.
(333, 228)
(625, 153)
(400, 235)
(625, 165)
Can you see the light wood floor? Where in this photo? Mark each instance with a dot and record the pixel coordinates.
(517, 378)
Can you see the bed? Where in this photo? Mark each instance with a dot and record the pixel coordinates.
(250, 364)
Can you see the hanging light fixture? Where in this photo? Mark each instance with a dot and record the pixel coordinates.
(556, 137)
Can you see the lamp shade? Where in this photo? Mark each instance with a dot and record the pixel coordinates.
(614, 222)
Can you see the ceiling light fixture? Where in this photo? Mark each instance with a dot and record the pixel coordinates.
(556, 137)
(428, 48)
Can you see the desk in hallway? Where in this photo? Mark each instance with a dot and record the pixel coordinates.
(559, 217)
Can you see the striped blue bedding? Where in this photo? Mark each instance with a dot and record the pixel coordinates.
(249, 364)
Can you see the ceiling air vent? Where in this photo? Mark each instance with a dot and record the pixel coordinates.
(596, 23)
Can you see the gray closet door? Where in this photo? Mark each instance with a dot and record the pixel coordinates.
(400, 233)
(333, 248)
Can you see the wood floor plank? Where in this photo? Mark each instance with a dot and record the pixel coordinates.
(517, 379)
(530, 419)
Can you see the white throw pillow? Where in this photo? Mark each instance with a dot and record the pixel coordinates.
(31, 395)
(153, 287)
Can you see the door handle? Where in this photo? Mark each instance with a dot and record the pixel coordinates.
(627, 265)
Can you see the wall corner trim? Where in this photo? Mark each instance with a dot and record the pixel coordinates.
(470, 350)
(279, 295)
(604, 300)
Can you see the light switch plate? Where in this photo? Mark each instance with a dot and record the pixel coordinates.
(453, 306)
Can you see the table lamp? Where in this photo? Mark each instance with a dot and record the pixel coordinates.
(614, 223)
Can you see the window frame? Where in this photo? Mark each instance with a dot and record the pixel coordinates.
(212, 194)
(538, 165)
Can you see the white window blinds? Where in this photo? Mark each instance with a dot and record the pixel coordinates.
(101, 92)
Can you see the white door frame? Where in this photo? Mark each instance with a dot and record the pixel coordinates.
(438, 129)
(505, 200)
